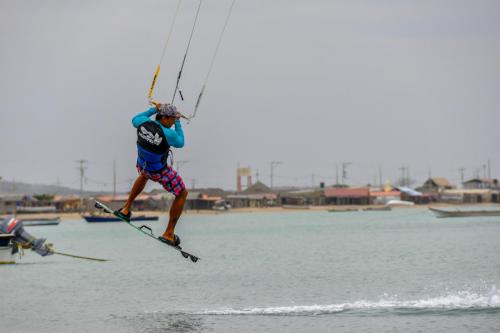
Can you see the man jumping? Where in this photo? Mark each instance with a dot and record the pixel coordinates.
(154, 139)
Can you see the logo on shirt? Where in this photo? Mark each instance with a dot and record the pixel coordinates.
(149, 137)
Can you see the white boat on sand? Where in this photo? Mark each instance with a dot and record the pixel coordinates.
(441, 213)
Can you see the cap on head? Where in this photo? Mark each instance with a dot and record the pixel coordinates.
(168, 110)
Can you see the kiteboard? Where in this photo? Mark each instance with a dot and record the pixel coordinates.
(145, 230)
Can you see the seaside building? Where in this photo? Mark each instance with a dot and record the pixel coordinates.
(67, 203)
(256, 195)
(9, 203)
(481, 183)
(200, 199)
(468, 196)
(408, 194)
(141, 203)
(347, 196)
(303, 197)
(383, 197)
(435, 185)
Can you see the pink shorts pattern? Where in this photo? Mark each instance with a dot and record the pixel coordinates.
(168, 178)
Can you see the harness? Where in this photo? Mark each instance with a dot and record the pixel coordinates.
(152, 147)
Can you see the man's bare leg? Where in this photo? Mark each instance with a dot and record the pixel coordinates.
(139, 185)
(175, 214)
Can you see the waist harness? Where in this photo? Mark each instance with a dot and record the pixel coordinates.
(152, 147)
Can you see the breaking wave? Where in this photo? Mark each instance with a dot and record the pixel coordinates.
(461, 302)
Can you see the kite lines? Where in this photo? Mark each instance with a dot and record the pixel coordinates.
(177, 89)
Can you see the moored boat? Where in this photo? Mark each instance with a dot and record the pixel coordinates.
(399, 203)
(441, 213)
(97, 218)
(377, 209)
(296, 207)
(41, 221)
(343, 210)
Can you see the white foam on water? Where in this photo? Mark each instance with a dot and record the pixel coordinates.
(459, 301)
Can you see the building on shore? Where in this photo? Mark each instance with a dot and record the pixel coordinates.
(482, 183)
(347, 196)
(383, 197)
(304, 197)
(142, 202)
(470, 196)
(199, 201)
(9, 203)
(204, 198)
(67, 203)
(408, 194)
(255, 196)
(435, 185)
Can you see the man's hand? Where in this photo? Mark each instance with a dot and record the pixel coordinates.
(155, 103)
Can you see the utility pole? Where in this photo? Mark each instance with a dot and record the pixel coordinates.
(489, 169)
(380, 176)
(462, 170)
(179, 164)
(193, 183)
(484, 170)
(273, 165)
(403, 175)
(336, 174)
(408, 179)
(257, 175)
(344, 171)
(114, 178)
(82, 168)
(312, 181)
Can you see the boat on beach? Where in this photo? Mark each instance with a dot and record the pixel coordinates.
(296, 207)
(41, 221)
(377, 209)
(441, 213)
(342, 210)
(103, 218)
(399, 203)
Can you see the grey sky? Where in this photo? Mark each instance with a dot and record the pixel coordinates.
(309, 83)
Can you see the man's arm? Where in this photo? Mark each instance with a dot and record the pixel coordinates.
(142, 117)
(175, 138)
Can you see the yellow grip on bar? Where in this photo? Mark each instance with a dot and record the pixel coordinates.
(154, 81)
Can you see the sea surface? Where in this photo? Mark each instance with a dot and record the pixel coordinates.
(394, 271)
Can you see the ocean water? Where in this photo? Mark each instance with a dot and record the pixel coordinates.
(397, 271)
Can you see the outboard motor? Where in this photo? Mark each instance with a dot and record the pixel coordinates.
(23, 238)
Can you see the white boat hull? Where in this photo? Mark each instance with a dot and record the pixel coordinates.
(6, 256)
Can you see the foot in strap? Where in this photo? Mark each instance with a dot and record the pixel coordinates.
(119, 214)
(173, 242)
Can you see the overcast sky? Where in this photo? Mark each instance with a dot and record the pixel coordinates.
(310, 83)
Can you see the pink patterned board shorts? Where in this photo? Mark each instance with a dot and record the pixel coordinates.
(168, 178)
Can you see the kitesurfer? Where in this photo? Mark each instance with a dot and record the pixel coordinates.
(154, 139)
(23, 239)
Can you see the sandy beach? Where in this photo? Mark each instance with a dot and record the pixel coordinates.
(76, 216)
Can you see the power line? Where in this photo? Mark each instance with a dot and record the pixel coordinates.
(273, 165)
(82, 167)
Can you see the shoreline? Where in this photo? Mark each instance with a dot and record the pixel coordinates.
(257, 210)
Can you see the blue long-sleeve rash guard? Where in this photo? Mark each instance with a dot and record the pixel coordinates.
(175, 138)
